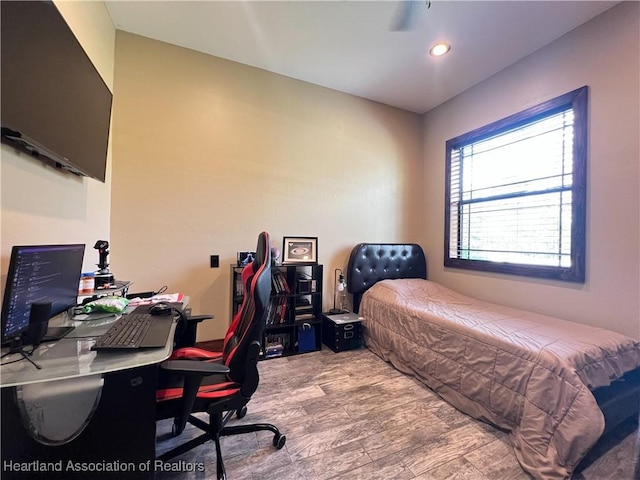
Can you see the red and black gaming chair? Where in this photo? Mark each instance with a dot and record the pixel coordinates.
(221, 383)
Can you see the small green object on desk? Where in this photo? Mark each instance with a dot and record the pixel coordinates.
(111, 304)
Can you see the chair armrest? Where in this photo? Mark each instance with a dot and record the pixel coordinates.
(194, 367)
(195, 353)
(187, 335)
(193, 372)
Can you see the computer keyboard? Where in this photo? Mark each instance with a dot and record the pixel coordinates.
(128, 332)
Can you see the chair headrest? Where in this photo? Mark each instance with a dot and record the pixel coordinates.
(263, 249)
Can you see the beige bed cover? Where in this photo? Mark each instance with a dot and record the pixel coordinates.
(528, 373)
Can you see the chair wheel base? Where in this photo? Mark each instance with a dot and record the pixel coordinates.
(279, 441)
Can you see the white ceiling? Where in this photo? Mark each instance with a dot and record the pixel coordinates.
(349, 46)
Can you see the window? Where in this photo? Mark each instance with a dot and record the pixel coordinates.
(516, 193)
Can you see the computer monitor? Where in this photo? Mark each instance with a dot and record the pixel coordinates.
(39, 273)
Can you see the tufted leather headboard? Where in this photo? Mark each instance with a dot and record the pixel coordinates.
(371, 262)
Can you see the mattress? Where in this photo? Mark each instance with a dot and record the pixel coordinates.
(527, 373)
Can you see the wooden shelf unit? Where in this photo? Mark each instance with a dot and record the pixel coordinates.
(294, 324)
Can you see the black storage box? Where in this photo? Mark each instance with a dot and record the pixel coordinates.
(342, 331)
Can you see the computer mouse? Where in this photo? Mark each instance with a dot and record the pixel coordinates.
(161, 309)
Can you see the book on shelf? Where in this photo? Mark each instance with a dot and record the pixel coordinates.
(304, 316)
(272, 311)
(277, 312)
(279, 282)
(273, 350)
(275, 286)
(239, 286)
(275, 343)
(304, 309)
(283, 309)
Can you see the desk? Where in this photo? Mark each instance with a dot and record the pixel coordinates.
(84, 414)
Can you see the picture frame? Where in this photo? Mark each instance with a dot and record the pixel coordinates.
(244, 258)
(299, 250)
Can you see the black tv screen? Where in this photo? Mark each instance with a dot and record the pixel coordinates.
(55, 104)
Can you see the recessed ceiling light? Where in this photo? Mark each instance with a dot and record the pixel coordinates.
(439, 49)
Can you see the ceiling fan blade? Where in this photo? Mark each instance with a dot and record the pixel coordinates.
(403, 18)
(406, 13)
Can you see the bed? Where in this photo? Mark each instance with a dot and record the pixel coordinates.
(555, 386)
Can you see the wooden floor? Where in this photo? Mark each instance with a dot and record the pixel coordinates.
(352, 416)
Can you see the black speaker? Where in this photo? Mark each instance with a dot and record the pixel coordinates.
(38, 322)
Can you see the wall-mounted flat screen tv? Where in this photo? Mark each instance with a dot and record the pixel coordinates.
(55, 104)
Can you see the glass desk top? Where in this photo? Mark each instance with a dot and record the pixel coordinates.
(72, 357)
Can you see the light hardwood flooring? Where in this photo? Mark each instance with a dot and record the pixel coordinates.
(351, 416)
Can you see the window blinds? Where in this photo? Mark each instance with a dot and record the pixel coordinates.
(511, 194)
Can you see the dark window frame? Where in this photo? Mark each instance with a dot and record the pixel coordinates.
(577, 100)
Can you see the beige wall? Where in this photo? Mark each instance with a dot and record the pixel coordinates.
(41, 205)
(603, 54)
(208, 152)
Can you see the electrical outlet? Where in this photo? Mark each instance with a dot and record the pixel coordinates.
(214, 261)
